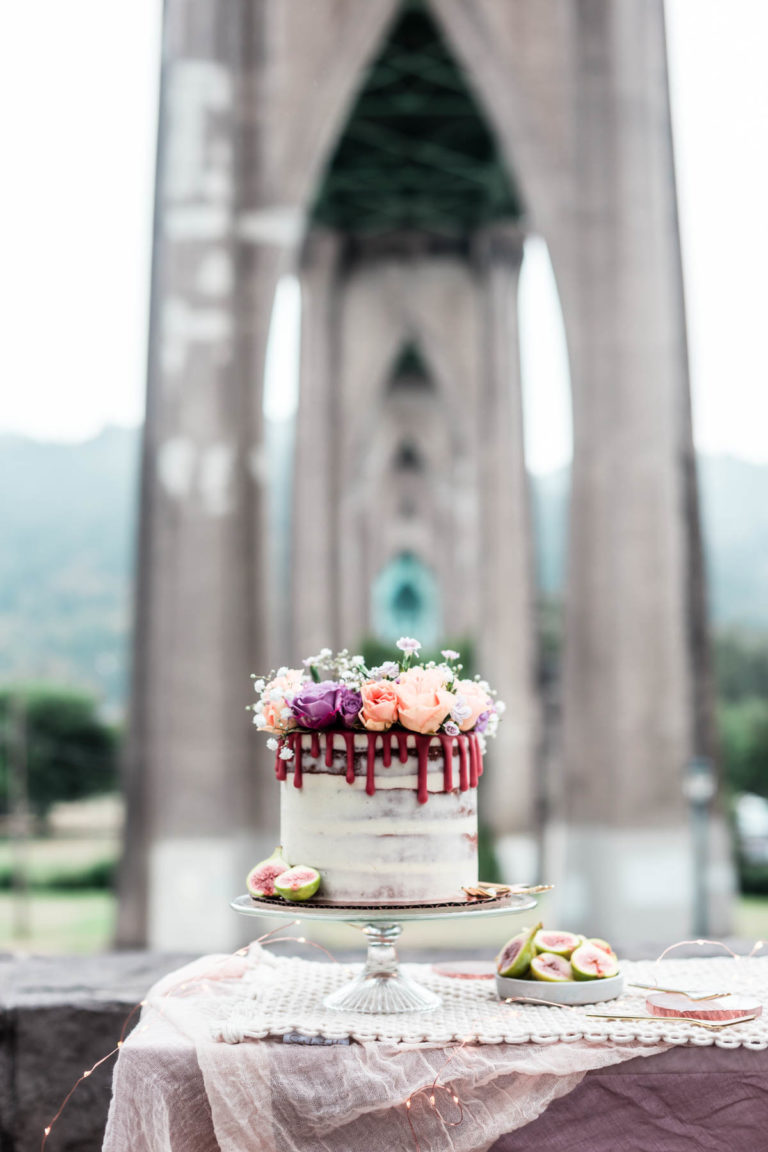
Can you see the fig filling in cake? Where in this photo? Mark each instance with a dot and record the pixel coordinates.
(386, 817)
(378, 771)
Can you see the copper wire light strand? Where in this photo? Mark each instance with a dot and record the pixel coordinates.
(77, 1083)
(184, 987)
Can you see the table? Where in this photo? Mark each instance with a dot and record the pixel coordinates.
(170, 1075)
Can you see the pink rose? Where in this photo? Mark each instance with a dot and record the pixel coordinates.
(274, 702)
(379, 710)
(475, 701)
(422, 699)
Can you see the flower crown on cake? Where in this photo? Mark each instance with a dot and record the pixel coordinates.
(339, 691)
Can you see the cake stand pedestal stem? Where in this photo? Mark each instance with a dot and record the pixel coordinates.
(382, 986)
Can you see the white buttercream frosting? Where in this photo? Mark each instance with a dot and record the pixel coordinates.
(385, 847)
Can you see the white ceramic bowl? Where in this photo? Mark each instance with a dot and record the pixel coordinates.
(568, 992)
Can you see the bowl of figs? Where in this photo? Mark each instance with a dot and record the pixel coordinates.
(557, 967)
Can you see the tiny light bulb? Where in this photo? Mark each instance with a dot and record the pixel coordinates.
(408, 1102)
(302, 939)
(86, 1073)
(432, 1101)
(48, 1130)
(119, 1043)
(455, 1099)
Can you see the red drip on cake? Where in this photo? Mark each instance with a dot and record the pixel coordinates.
(280, 768)
(298, 748)
(470, 757)
(422, 747)
(349, 739)
(370, 779)
(463, 767)
(447, 743)
(474, 756)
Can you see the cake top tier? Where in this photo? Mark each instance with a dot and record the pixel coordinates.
(405, 694)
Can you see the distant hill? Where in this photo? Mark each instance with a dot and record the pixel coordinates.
(67, 524)
(67, 529)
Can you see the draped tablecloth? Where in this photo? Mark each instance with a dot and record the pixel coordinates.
(178, 1087)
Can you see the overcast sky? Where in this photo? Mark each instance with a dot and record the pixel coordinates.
(78, 88)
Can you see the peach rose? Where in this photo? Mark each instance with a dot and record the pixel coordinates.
(472, 696)
(274, 702)
(379, 710)
(422, 699)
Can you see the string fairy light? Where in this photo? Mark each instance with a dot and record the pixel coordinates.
(756, 947)
(434, 1087)
(181, 989)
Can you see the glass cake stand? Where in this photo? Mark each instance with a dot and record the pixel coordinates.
(382, 986)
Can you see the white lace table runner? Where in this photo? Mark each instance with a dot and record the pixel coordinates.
(280, 996)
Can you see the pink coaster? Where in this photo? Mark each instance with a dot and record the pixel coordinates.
(722, 1008)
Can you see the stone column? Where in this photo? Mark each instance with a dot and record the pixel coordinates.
(505, 565)
(625, 864)
(194, 800)
(315, 540)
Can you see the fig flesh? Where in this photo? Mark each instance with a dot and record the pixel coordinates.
(298, 883)
(598, 943)
(514, 960)
(550, 967)
(558, 943)
(591, 963)
(260, 881)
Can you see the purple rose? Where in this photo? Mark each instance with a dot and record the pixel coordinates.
(350, 703)
(482, 721)
(317, 705)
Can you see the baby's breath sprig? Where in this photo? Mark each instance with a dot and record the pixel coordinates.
(409, 648)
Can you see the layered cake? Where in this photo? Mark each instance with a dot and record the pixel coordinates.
(378, 772)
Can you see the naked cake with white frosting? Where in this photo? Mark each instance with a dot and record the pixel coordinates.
(378, 772)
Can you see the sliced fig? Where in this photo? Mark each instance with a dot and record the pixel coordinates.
(559, 943)
(550, 967)
(514, 960)
(591, 963)
(298, 883)
(260, 881)
(598, 943)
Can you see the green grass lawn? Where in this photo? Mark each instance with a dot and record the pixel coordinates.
(751, 918)
(65, 922)
(56, 857)
(48, 920)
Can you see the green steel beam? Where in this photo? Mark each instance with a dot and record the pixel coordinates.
(416, 152)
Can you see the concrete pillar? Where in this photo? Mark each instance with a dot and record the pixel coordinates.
(194, 798)
(506, 571)
(625, 864)
(315, 540)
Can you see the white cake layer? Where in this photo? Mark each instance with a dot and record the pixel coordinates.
(386, 847)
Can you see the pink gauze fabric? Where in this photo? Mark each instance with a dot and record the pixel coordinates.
(176, 1089)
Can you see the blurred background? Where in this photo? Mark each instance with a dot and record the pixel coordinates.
(409, 325)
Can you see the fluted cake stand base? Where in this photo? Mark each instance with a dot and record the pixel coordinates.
(382, 987)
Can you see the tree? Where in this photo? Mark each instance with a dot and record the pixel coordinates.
(744, 743)
(71, 752)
